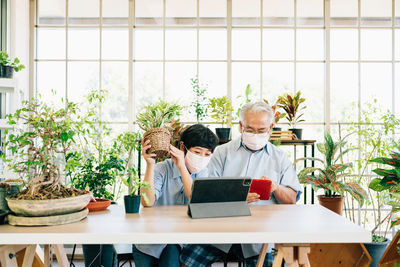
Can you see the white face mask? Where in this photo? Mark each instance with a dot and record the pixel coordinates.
(255, 141)
(195, 163)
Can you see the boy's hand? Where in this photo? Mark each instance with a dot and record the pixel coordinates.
(177, 156)
(253, 197)
(149, 158)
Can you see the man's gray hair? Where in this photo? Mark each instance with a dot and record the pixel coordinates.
(257, 107)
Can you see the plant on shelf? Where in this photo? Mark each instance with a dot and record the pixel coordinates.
(292, 105)
(40, 138)
(152, 121)
(199, 104)
(277, 114)
(8, 65)
(330, 176)
(247, 98)
(221, 111)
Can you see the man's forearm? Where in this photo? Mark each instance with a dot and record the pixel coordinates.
(285, 195)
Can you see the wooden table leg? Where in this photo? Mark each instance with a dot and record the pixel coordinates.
(295, 255)
(5, 252)
(29, 255)
(61, 255)
(47, 256)
(261, 257)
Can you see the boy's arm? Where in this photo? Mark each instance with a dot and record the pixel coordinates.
(149, 175)
(178, 157)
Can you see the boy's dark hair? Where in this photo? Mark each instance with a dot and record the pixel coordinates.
(199, 135)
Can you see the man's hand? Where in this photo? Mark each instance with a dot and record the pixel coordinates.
(177, 156)
(149, 158)
(274, 185)
(253, 197)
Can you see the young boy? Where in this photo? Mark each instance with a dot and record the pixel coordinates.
(172, 183)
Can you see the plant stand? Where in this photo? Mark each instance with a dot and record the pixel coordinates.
(390, 257)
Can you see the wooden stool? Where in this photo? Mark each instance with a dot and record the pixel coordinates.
(123, 253)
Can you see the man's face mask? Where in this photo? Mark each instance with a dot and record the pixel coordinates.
(255, 141)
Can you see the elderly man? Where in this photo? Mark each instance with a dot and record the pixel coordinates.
(253, 156)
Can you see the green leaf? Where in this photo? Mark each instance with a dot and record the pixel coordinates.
(376, 185)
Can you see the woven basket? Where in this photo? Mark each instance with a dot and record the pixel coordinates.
(160, 138)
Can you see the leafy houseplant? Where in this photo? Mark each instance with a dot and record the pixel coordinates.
(132, 200)
(8, 66)
(292, 106)
(152, 120)
(329, 177)
(247, 93)
(221, 111)
(277, 115)
(33, 155)
(199, 104)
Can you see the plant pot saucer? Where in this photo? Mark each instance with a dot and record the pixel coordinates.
(48, 220)
(99, 204)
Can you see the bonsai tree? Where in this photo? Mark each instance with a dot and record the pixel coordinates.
(292, 106)
(199, 104)
(5, 60)
(329, 177)
(221, 110)
(34, 151)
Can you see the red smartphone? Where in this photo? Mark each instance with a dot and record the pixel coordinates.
(261, 187)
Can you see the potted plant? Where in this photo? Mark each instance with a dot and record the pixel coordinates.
(329, 176)
(9, 188)
(247, 93)
(8, 66)
(199, 104)
(221, 111)
(389, 182)
(292, 106)
(152, 120)
(134, 184)
(277, 115)
(33, 153)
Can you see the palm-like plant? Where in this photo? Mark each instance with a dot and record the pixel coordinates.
(291, 105)
(329, 177)
(157, 115)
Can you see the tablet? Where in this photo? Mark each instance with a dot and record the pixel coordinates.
(261, 187)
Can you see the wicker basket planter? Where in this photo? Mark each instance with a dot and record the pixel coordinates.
(160, 139)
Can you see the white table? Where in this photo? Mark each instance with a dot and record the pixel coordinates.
(281, 224)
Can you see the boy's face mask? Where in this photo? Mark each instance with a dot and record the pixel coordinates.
(195, 163)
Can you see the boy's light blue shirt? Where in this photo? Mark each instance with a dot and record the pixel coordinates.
(234, 159)
(169, 190)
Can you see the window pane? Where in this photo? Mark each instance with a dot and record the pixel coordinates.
(344, 12)
(310, 81)
(397, 90)
(344, 44)
(214, 75)
(278, 44)
(397, 10)
(51, 12)
(50, 43)
(310, 12)
(44, 85)
(376, 44)
(115, 79)
(180, 44)
(83, 12)
(83, 43)
(212, 44)
(180, 12)
(115, 44)
(148, 12)
(212, 12)
(278, 12)
(277, 79)
(376, 12)
(376, 82)
(242, 75)
(177, 84)
(397, 44)
(148, 83)
(245, 44)
(115, 12)
(245, 12)
(148, 44)
(82, 78)
(344, 91)
(310, 44)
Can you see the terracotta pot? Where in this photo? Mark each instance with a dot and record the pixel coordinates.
(99, 204)
(334, 204)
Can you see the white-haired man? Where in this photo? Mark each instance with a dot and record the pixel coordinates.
(251, 155)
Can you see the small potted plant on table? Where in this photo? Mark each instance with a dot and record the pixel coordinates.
(8, 66)
(329, 176)
(152, 120)
(221, 111)
(292, 106)
(134, 184)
